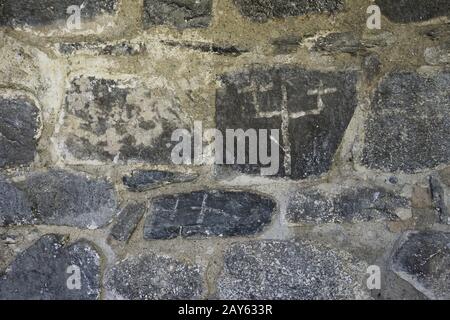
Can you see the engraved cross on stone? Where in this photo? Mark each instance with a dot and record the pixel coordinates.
(254, 88)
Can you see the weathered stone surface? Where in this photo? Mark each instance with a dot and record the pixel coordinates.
(372, 66)
(408, 127)
(262, 11)
(423, 259)
(63, 198)
(404, 11)
(348, 205)
(154, 277)
(312, 110)
(41, 271)
(107, 120)
(345, 42)
(208, 213)
(179, 13)
(143, 180)
(14, 206)
(286, 44)
(19, 125)
(289, 270)
(123, 48)
(128, 220)
(440, 200)
(44, 12)
(439, 55)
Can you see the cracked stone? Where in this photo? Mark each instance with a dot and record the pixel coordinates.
(128, 220)
(154, 277)
(262, 11)
(41, 271)
(14, 206)
(181, 14)
(119, 121)
(289, 270)
(208, 213)
(144, 180)
(318, 108)
(19, 125)
(347, 205)
(408, 127)
(63, 198)
(423, 260)
(405, 11)
(45, 12)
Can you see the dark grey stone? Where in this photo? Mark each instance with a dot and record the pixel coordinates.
(408, 126)
(349, 205)
(404, 11)
(286, 44)
(41, 271)
(143, 180)
(423, 259)
(262, 11)
(372, 66)
(178, 13)
(108, 120)
(19, 124)
(63, 198)
(124, 48)
(287, 270)
(226, 50)
(346, 42)
(315, 127)
(14, 206)
(154, 277)
(439, 198)
(44, 12)
(208, 213)
(128, 220)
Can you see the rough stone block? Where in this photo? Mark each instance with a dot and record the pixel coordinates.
(154, 277)
(408, 127)
(208, 213)
(41, 272)
(347, 205)
(287, 270)
(19, 130)
(44, 12)
(423, 259)
(311, 109)
(178, 13)
(261, 11)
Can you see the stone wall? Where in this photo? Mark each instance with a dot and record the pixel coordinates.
(88, 188)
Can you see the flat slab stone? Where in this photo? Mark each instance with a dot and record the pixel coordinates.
(112, 120)
(288, 270)
(423, 259)
(347, 205)
(405, 11)
(128, 220)
(154, 277)
(261, 11)
(144, 180)
(311, 109)
(178, 13)
(63, 198)
(440, 199)
(14, 206)
(19, 125)
(40, 272)
(44, 12)
(208, 213)
(408, 124)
